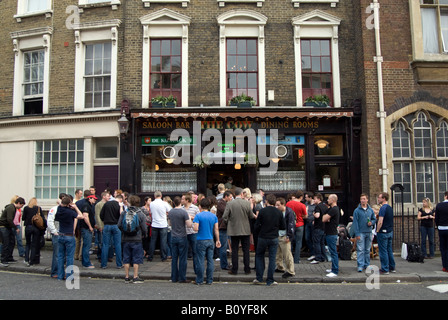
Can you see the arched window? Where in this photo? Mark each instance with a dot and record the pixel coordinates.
(442, 140)
(422, 137)
(401, 142)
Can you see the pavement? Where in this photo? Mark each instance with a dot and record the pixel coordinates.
(411, 272)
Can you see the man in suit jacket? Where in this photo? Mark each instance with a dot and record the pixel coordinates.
(237, 215)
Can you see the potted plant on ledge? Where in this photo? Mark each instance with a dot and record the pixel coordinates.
(164, 102)
(242, 101)
(319, 101)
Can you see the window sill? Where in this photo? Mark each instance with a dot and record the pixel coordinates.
(147, 3)
(222, 3)
(431, 72)
(47, 13)
(113, 4)
(297, 3)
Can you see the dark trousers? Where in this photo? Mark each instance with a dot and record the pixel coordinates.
(443, 238)
(245, 246)
(32, 249)
(8, 236)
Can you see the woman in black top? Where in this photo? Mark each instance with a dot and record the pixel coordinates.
(33, 235)
(426, 217)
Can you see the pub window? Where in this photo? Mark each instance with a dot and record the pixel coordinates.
(166, 68)
(158, 170)
(291, 165)
(420, 157)
(316, 68)
(328, 146)
(242, 68)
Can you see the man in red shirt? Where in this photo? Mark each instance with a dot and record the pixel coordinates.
(300, 210)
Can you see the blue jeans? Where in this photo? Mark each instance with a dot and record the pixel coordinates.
(54, 261)
(331, 243)
(20, 247)
(223, 250)
(385, 251)
(427, 232)
(363, 250)
(86, 235)
(271, 245)
(179, 251)
(298, 235)
(204, 250)
(111, 233)
(309, 230)
(66, 253)
(192, 241)
(156, 233)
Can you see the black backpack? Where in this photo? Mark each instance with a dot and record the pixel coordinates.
(345, 248)
(414, 253)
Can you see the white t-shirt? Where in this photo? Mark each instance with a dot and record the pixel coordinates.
(159, 208)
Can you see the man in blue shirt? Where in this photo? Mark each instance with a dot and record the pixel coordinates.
(205, 224)
(384, 230)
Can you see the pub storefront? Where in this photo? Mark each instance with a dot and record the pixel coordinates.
(177, 151)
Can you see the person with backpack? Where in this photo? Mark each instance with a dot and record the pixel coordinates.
(33, 231)
(363, 221)
(132, 223)
(8, 231)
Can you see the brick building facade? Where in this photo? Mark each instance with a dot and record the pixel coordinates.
(61, 124)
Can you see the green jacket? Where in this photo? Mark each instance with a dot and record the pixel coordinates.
(7, 217)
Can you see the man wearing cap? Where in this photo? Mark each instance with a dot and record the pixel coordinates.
(86, 225)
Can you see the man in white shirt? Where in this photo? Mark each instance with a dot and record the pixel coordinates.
(159, 226)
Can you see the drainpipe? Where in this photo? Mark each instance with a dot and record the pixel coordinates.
(381, 114)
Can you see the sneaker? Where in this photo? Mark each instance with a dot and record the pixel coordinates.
(256, 282)
(4, 264)
(272, 284)
(127, 280)
(90, 267)
(137, 280)
(384, 272)
(393, 271)
(332, 275)
(286, 275)
(311, 258)
(328, 271)
(314, 262)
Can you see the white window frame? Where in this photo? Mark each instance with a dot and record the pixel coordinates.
(242, 24)
(28, 40)
(164, 23)
(89, 33)
(317, 24)
(22, 11)
(417, 35)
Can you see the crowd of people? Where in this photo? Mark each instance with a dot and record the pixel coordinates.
(208, 228)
